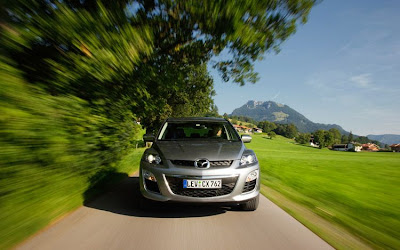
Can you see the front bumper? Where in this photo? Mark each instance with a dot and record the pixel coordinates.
(165, 191)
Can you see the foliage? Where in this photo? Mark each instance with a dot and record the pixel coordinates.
(267, 126)
(53, 148)
(350, 138)
(319, 137)
(303, 138)
(286, 130)
(335, 134)
(271, 134)
(328, 138)
(364, 140)
(243, 118)
(213, 112)
(344, 139)
(195, 31)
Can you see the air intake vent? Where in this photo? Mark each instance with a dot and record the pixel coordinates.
(249, 186)
(176, 186)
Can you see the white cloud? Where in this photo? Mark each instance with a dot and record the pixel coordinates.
(362, 81)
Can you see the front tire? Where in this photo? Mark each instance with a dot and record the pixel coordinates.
(250, 205)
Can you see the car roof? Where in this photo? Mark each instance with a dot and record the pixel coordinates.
(195, 119)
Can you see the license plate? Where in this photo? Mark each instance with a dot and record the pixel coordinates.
(202, 183)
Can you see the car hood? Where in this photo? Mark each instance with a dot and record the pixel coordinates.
(189, 150)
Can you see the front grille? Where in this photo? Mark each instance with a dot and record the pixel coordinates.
(176, 186)
(152, 186)
(248, 186)
(214, 164)
(220, 163)
(183, 163)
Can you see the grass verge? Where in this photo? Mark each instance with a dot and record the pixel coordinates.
(354, 195)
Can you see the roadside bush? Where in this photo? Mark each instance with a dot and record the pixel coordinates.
(52, 149)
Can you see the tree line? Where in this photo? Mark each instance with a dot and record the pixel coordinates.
(322, 138)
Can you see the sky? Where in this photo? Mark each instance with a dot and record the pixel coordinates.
(341, 67)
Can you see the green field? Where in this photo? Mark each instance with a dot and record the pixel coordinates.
(349, 199)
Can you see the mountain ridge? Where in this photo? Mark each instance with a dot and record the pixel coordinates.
(386, 138)
(281, 113)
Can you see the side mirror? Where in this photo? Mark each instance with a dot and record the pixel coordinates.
(149, 138)
(246, 138)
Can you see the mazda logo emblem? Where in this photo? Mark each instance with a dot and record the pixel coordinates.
(202, 163)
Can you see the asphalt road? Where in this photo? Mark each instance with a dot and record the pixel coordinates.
(114, 221)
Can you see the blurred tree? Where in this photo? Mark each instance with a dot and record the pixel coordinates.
(194, 31)
(271, 134)
(319, 137)
(350, 138)
(212, 112)
(303, 138)
(329, 138)
(103, 51)
(291, 131)
(335, 134)
(287, 130)
(267, 126)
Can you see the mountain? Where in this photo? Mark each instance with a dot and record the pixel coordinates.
(279, 113)
(386, 138)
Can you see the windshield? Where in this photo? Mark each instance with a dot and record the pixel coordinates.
(197, 131)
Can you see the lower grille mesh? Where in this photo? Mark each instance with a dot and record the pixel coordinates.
(248, 186)
(176, 186)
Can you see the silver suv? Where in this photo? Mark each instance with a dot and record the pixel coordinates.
(200, 160)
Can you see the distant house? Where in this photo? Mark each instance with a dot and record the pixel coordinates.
(339, 147)
(246, 129)
(312, 143)
(370, 147)
(242, 129)
(395, 147)
(237, 127)
(346, 147)
(257, 130)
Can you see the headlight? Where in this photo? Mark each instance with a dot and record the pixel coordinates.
(153, 158)
(248, 159)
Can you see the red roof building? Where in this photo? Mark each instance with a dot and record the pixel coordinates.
(395, 147)
(370, 147)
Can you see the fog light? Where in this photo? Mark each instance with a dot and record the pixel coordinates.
(252, 176)
(149, 176)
